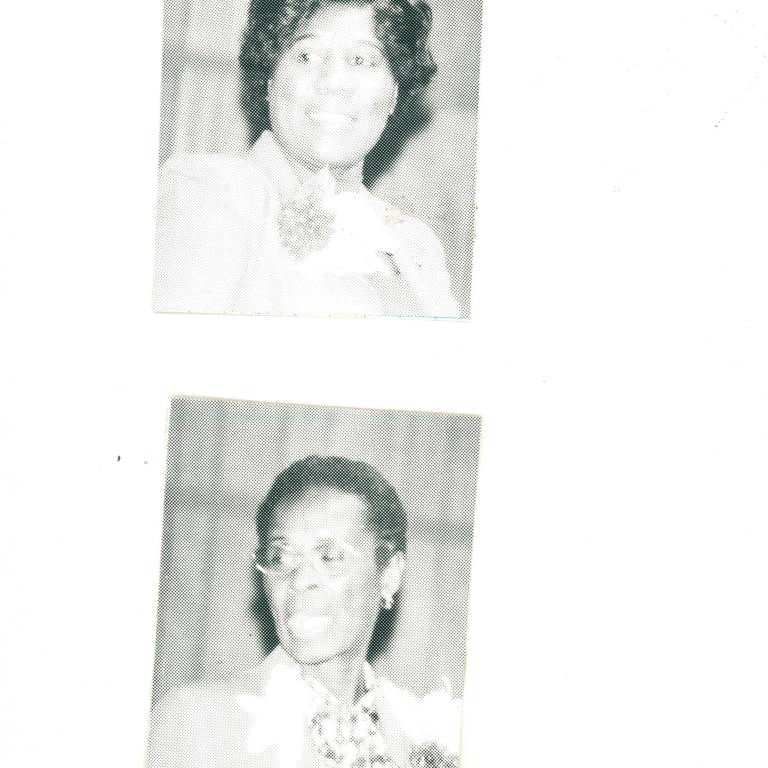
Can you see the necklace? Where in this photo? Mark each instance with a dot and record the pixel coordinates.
(348, 736)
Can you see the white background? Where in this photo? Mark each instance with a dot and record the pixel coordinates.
(617, 354)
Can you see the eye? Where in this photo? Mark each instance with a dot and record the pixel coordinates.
(331, 554)
(308, 56)
(277, 555)
(364, 60)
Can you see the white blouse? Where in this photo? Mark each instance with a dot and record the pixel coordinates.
(276, 717)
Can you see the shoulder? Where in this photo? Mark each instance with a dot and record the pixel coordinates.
(212, 168)
(244, 721)
(435, 717)
(204, 703)
(200, 726)
(228, 177)
(413, 232)
(421, 257)
(211, 213)
(202, 693)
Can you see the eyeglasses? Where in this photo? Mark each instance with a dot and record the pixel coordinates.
(329, 558)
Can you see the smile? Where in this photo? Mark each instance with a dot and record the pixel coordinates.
(306, 626)
(333, 120)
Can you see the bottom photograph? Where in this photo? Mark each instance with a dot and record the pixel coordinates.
(314, 587)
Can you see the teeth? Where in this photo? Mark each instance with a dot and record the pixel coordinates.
(305, 626)
(333, 119)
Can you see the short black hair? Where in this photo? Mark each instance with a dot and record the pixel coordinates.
(401, 26)
(386, 516)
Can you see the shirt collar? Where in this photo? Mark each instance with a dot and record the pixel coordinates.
(270, 157)
(366, 701)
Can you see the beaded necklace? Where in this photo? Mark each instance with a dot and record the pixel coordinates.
(348, 736)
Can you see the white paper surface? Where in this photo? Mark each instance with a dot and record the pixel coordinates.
(617, 355)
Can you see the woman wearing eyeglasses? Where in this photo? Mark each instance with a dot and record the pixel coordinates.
(331, 554)
(289, 228)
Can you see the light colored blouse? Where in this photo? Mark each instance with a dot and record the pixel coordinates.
(243, 235)
(277, 717)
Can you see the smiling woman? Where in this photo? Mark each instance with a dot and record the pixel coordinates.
(343, 613)
(290, 228)
(332, 92)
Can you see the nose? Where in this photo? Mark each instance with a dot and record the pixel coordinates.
(334, 76)
(305, 576)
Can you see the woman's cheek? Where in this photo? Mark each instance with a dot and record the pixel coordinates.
(379, 95)
(278, 597)
(348, 597)
(290, 88)
(340, 585)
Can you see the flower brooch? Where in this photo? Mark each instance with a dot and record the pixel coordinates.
(305, 222)
(432, 755)
(432, 724)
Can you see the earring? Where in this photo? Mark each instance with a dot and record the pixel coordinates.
(386, 601)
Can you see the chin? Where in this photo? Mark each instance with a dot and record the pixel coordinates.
(308, 653)
(339, 150)
(336, 157)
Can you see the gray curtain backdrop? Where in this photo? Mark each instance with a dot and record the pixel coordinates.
(222, 458)
(434, 175)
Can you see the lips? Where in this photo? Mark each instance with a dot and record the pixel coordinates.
(332, 120)
(307, 626)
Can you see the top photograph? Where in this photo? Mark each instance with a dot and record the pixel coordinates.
(318, 157)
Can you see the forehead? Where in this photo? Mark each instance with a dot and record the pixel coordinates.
(321, 512)
(342, 22)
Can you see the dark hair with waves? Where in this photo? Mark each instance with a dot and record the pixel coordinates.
(386, 516)
(401, 26)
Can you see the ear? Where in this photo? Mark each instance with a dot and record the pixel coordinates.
(392, 575)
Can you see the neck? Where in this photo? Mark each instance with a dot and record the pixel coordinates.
(348, 178)
(342, 676)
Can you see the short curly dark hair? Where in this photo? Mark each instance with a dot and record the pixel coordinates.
(401, 26)
(386, 516)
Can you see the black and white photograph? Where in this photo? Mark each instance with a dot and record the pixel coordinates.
(383, 385)
(318, 157)
(314, 587)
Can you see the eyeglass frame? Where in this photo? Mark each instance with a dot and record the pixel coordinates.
(304, 557)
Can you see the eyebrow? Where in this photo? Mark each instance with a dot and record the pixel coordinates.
(322, 539)
(342, 542)
(312, 35)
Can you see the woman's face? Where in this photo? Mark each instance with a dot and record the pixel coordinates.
(332, 90)
(325, 606)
